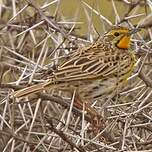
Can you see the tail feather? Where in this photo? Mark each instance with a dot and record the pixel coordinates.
(28, 90)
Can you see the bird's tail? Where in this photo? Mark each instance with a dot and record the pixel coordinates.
(28, 90)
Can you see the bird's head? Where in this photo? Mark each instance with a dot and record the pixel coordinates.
(120, 36)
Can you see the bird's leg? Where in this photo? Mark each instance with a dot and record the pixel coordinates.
(94, 118)
(88, 108)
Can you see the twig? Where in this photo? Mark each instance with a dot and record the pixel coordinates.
(64, 137)
(145, 78)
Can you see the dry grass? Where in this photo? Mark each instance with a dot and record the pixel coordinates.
(32, 44)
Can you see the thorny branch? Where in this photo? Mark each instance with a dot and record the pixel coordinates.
(22, 40)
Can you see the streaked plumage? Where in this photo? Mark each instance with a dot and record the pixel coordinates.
(95, 70)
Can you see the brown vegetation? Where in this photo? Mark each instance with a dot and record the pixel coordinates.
(33, 43)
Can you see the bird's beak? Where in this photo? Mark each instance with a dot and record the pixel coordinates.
(133, 31)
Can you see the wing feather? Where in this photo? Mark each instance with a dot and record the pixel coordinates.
(92, 62)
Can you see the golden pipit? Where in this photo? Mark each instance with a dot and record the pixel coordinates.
(93, 71)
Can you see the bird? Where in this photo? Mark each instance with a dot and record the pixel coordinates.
(95, 70)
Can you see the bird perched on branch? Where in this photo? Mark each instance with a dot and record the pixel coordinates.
(93, 71)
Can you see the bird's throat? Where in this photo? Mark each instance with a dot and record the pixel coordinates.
(124, 42)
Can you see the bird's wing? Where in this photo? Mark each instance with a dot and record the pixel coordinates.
(89, 63)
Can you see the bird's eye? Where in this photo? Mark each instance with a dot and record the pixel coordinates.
(116, 34)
